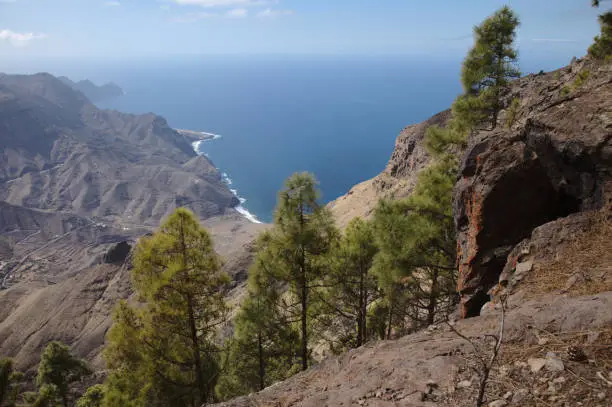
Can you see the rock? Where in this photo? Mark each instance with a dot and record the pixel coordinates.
(559, 380)
(553, 363)
(536, 364)
(508, 395)
(522, 268)
(498, 403)
(576, 354)
(552, 164)
(519, 396)
(464, 384)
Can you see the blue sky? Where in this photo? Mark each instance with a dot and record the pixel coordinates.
(134, 28)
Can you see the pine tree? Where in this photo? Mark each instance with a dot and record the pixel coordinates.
(416, 262)
(168, 347)
(93, 397)
(264, 344)
(602, 45)
(10, 383)
(390, 224)
(303, 231)
(488, 67)
(59, 368)
(351, 285)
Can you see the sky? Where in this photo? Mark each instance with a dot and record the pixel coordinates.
(159, 28)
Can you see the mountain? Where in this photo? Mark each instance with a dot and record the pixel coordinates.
(92, 91)
(61, 153)
(78, 187)
(533, 210)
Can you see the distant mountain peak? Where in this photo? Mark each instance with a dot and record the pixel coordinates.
(94, 92)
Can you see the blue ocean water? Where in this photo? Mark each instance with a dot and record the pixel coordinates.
(335, 117)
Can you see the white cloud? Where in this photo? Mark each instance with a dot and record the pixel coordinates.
(269, 13)
(224, 3)
(237, 13)
(19, 39)
(193, 17)
(112, 4)
(553, 40)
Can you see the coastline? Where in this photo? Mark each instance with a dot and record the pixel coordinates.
(197, 135)
(197, 138)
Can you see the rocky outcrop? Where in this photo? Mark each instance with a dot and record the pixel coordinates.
(571, 255)
(397, 180)
(554, 160)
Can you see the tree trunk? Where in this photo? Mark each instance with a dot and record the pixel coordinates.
(360, 318)
(304, 322)
(304, 295)
(390, 319)
(433, 298)
(262, 368)
(193, 331)
(364, 313)
(197, 361)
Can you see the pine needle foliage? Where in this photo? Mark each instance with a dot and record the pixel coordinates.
(59, 368)
(489, 67)
(265, 343)
(164, 352)
(602, 44)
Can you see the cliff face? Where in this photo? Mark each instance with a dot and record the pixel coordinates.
(397, 180)
(555, 160)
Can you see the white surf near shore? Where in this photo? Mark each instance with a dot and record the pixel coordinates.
(228, 181)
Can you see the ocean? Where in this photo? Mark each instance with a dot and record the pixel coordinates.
(336, 117)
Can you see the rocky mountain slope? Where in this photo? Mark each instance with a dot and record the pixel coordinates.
(396, 181)
(78, 187)
(92, 91)
(61, 153)
(533, 207)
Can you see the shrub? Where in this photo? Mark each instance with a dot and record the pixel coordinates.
(513, 111)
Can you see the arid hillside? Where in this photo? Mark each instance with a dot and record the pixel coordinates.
(78, 187)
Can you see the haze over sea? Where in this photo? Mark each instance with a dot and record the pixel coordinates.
(336, 117)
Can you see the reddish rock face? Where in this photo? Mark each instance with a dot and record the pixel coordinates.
(554, 161)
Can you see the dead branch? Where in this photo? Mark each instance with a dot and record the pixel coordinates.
(486, 364)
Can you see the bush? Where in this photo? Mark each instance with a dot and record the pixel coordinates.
(565, 91)
(513, 111)
(581, 79)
